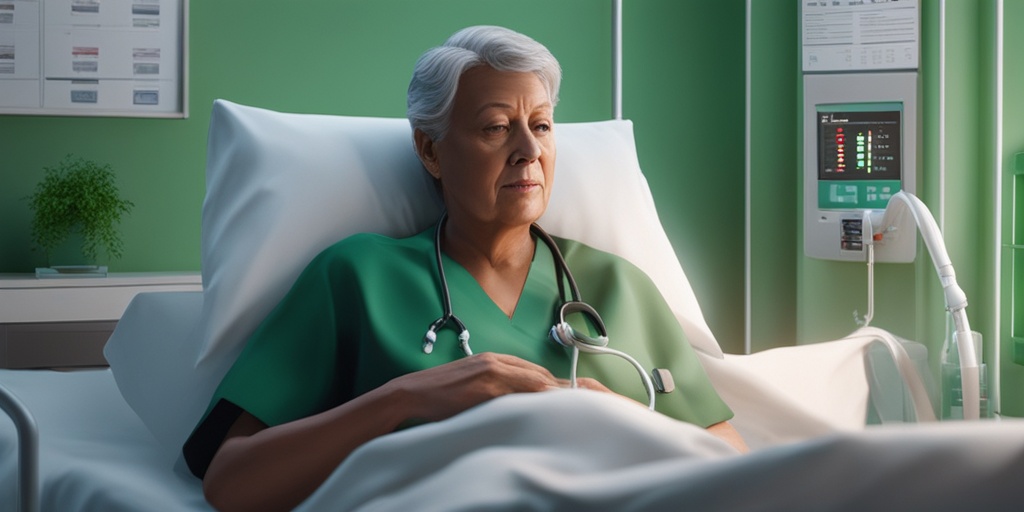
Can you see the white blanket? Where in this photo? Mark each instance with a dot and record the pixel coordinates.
(580, 450)
(561, 450)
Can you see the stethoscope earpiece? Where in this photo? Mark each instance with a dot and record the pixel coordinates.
(464, 341)
(428, 341)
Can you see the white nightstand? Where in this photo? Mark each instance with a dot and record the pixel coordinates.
(64, 322)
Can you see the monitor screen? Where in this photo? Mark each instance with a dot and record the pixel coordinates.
(859, 145)
(859, 155)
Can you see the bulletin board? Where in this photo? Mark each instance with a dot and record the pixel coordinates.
(120, 58)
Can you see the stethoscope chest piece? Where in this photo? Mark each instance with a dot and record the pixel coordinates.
(563, 334)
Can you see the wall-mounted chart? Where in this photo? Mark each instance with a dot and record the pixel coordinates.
(94, 57)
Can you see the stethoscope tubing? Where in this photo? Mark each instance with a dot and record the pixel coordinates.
(562, 332)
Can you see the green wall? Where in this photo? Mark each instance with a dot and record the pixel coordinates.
(686, 99)
(354, 57)
(774, 187)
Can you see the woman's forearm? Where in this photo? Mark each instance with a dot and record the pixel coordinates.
(276, 468)
(259, 468)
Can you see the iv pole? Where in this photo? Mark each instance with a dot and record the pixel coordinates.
(617, 59)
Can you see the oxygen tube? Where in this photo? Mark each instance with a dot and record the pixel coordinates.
(956, 299)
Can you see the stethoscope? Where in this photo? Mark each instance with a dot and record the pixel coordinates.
(561, 332)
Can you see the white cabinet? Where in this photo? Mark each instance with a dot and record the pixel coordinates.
(64, 322)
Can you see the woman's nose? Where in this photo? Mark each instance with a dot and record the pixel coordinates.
(526, 147)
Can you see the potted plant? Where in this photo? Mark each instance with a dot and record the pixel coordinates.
(78, 202)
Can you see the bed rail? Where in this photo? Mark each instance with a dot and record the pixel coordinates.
(28, 450)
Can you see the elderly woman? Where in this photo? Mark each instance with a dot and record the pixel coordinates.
(340, 360)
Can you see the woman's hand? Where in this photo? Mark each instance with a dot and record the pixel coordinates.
(446, 390)
(726, 432)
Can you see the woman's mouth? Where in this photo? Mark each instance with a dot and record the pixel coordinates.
(522, 185)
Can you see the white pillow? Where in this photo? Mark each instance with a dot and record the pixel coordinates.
(152, 355)
(281, 187)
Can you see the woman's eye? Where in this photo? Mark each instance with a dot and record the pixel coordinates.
(542, 127)
(498, 128)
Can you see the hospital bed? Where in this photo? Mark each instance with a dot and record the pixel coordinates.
(282, 186)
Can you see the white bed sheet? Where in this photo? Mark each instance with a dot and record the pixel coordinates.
(95, 452)
(562, 450)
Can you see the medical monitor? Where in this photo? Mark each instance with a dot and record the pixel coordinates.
(860, 146)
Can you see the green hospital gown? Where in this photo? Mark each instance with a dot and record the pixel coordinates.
(356, 317)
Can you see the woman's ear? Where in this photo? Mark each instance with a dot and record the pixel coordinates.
(427, 151)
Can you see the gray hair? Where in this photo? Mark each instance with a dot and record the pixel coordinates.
(436, 75)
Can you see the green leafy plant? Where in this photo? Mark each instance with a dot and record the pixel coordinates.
(78, 194)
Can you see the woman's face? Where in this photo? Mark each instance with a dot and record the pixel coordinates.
(496, 163)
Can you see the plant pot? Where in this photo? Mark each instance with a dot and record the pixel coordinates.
(69, 260)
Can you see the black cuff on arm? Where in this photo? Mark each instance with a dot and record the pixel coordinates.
(206, 439)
